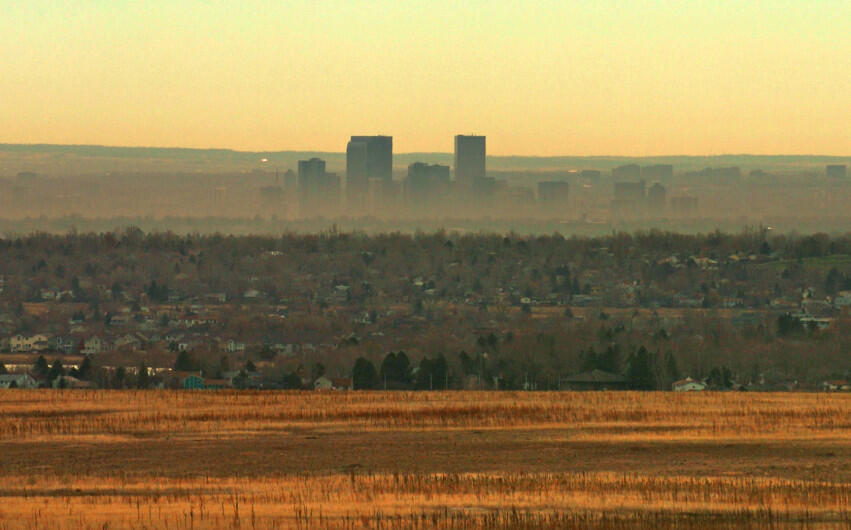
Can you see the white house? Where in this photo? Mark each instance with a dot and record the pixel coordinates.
(94, 345)
(22, 343)
(234, 347)
(688, 385)
(836, 386)
(128, 342)
(17, 381)
(336, 383)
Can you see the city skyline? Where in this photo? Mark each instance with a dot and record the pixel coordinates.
(641, 79)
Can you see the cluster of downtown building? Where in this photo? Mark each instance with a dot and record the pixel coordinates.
(466, 190)
(427, 190)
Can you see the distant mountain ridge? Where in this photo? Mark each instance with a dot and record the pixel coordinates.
(77, 158)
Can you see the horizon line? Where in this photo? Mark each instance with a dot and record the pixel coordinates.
(267, 151)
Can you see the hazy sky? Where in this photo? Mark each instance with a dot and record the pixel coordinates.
(574, 78)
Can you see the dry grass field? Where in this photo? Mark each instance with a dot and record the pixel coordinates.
(107, 459)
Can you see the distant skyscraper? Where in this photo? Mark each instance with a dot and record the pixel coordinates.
(663, 172)
(318, 191)
(470, 153)
(368, 157)
(310, 172)
(553, 197)
(629, 191)
(656, 198)
(425, 186)
(627, 172)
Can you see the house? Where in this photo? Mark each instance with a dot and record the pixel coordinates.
(66, 381)
(688, 385)
(128, 343)
(332, 383)
(836, 385)
(23, 343)
(216, 384)
(192, 382)
(93, 345)
(596, 380)
(60, 344)
(232, 346)
(17, 381)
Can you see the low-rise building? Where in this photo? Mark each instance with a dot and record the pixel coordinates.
(17, 381)
(688, 385)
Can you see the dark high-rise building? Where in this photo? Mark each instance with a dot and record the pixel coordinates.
(627, 172)
(656, 195)
(290, 181)
(470, 154)
(629, 198)
(553, 196)
(838, 171)
(368, 157)
(663, 172)
(425, 185)
(318, 191)
(629, 191)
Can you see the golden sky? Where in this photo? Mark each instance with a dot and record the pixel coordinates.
(592, 77)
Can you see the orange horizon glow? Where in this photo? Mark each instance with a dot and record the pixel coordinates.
(650, 78)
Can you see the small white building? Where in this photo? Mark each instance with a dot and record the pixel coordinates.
(336, 383)
(23, 343)
(688, 385)
(94, 345)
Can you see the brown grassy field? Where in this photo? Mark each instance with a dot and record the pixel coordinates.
(107, 459)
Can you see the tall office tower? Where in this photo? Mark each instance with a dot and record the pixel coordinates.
(318, 191)
(357, 175)
(470, 155)
(425, 187)
(367, 158)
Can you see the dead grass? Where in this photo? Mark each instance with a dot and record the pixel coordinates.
(99, 459)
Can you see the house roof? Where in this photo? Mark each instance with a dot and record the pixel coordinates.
(686, 381)
(13, 377)
(596, 376)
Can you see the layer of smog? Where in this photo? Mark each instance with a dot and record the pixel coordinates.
(58, 188)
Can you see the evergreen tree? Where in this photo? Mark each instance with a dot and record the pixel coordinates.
(40, 367)
(85, 370)
(143, 380)
(789, 325)
(396, 370)
(317, 371)
(672, 371)
(120, 376)
(56, 370)
(364, 376)
(432, 373)
(640, 372)
(185, 362)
